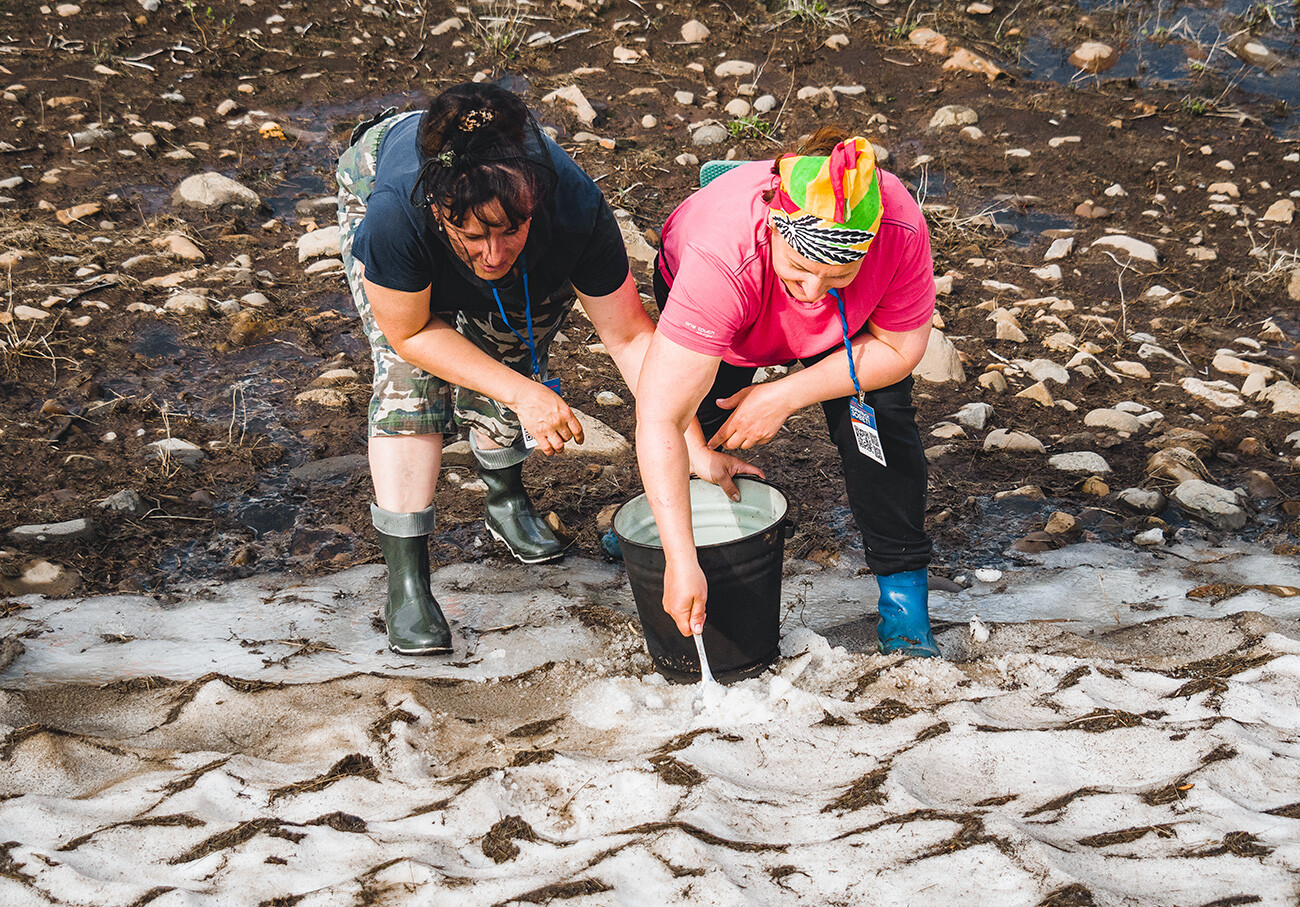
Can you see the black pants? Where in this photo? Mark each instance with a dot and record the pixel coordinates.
(887, 502)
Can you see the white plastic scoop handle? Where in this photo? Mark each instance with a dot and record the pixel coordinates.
(706, 676)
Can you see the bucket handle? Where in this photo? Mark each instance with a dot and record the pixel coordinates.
(792, 522)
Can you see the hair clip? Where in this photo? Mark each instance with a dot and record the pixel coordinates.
(476, 118)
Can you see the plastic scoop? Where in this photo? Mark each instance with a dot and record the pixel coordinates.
(706, 676)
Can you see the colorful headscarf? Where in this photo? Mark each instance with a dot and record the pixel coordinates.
(828, 208)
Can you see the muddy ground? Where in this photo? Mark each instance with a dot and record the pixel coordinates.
(80, 398)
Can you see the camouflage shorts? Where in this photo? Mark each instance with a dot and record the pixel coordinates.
(405, 399)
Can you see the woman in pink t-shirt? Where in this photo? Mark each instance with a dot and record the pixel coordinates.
(802, 259)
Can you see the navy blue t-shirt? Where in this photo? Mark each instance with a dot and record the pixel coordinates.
(574, 240)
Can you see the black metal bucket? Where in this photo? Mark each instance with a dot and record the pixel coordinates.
(740, 547)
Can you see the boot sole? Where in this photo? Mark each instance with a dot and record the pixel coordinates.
(523, 560)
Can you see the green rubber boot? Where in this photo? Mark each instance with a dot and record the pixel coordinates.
(512, 518)
(412, 616)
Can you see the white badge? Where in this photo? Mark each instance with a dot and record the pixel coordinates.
(863, 418)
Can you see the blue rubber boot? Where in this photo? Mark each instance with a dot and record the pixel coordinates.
(905, 615)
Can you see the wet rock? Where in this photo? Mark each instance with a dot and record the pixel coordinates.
(125, 501)
(695, 32)
(1176, 463)
(1080, 461)
(952, 115)
(1211, 504)
(41, 577)
(1216, 393)
(323, 241)
(1134, 248)
(1014, 441)
(1093, 56)
(213, 190)
(330, 468)
(941, 362)
(929, 41)
(1114, 420)
(1254, 51)
(68, 530)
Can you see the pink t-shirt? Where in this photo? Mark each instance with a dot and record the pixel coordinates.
(725, 299)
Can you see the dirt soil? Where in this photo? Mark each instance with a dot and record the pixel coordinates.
(80, 398)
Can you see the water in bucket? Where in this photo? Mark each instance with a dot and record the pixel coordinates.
(740, 546)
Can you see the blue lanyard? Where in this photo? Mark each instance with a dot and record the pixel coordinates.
(848, 347)
(528, 316)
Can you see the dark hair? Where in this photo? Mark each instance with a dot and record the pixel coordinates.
(475, 141)
(820, 144)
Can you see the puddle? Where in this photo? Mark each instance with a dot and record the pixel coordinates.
(1185, 47)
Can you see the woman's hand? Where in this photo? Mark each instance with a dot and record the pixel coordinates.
(545, 415)
(758, 412)
(721, 469)
(685, 591)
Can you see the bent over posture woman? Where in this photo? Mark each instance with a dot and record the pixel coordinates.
(816, 257)
(464, 232)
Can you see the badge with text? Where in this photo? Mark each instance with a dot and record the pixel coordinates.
(863, 418)
(529, 441)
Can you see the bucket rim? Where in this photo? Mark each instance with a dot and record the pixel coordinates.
(623, 540)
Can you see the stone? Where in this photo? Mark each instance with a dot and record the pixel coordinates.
(213, 190)
(947, 430)
(1134, 248)
(634, 238)
(766, 103)
(325, 265)
(952, 115)
(41, 577)
(836, 42)
(1142, 500)
(1028, 492)
(608, 398)
(1014, 441)
(453, 23)
(1229, 364)
(929, 41)
(1048, 273)
(178, 246)
(330, 397)
(687, 160)
(1284, 396)
(964, 60)
(333, 468)
(1132, 369)
(1281, 211)
(993, 381)
(685, 98)
(124, 501)
(1046, 370)
(573, 96)
(1293, 287)
(820, 97)
(599, 440)
(1114, 420)
(695, 32)
(1187, 438)
(1095, 487)
(67, 215)
(1255, 52)
(177, 449)
(734, 69)
(1176, 463)
(1093, 56)
(710, 134)
(1211, 504)
(187, 304)
(1083, 461)
(336, 376)
(1216, 393)
(1006, 327)
(625, 55)
(318, 243)
(68, 530)
(974, 415)
(28, 313)
(1260, 486)
(942, 362)
(1039, 393)
(972, 135)
(737, 107)
(1151, 538)
(1061, 523)
(649, 122)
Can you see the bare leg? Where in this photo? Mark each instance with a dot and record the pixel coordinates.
(404, 469)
